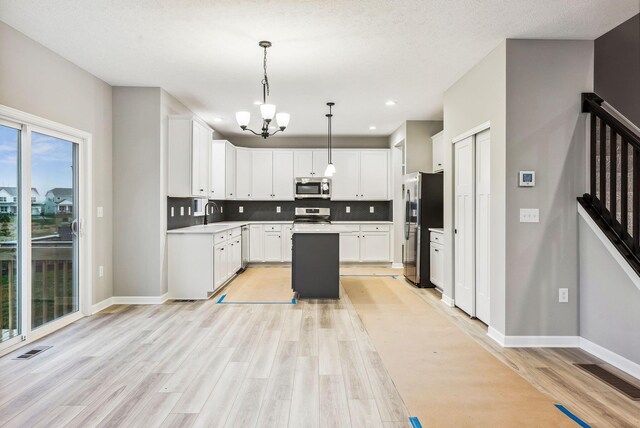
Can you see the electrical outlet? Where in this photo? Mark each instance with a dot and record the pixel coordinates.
(172, 212)
(348, 209)
(240, 210)
(101, 271)
(563, 295)
(100, 212)
(278, 209)
(529, 215)
(371, 210)
(181, 211)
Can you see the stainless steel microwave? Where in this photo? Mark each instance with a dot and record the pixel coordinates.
(313, 188)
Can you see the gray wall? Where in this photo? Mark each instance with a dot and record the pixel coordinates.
(605, 289)
(617, 68)
(363, 142)
(480, 96)
(545, 133)
(136, 191)
(38, 81)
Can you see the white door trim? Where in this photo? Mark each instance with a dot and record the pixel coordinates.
(473, 131)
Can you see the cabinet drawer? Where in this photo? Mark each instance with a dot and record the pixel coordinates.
(220, 237)
(437, 237)
(272, 227)
(235, 232)
(375, 228)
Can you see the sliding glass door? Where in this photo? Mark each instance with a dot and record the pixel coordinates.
(41, 233)
(10, 310)
(54, 228)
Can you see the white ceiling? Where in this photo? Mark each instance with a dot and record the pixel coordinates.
(358, 53)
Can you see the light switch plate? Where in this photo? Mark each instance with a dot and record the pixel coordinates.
(181, 210)
(529, 215)
(100, 212)
(348, 210)
(563, 295)
(278, 209)
(371, 210)
(240, 209)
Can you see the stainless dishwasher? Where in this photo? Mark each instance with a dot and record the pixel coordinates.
(245, 247)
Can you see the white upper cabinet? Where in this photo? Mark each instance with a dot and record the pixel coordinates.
(230, 171)
(360, 175)
(374, 175)
(346, 181)
(189, 157)
(218, 169)
(303, 163)
(244, 173)
(262, 179)
(283, 176)
(438, 151)
(320, 162)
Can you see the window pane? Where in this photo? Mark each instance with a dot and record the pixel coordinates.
(53, 198)
(9, 307)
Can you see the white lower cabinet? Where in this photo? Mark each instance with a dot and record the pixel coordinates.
(200, 263)
(350, 246)
(436, 259)
(273, 246)
(256, 243)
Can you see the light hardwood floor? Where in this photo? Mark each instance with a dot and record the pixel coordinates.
(202, 364)
(553, 372)
(205, 365)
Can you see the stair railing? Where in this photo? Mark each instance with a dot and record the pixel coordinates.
(614, 189)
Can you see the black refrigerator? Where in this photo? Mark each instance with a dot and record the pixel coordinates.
(423, 209)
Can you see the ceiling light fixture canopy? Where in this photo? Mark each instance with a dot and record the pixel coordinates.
(331, 169)
(267, 111)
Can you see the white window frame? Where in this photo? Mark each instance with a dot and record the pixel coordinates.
(29, 123)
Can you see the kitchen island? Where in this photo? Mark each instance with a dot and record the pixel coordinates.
(315, 263)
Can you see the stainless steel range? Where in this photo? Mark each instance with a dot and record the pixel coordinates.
(312, 215)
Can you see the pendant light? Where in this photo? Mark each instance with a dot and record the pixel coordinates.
(267, 111)
(331, 169)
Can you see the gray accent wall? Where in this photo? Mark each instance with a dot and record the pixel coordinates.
(38, 81)
(606, 290)
(617, 68)
(546, 132)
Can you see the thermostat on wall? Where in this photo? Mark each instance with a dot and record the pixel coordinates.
(527, 178)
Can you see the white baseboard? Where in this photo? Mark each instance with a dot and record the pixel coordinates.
(101, 306)
(496, 336)
(140, 300)
(397, 265)
(448, 301)
(610, 357)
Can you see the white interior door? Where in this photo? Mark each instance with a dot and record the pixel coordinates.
(482, 235)
(464, 225)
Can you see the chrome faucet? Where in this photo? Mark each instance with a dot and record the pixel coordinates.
(206, 211)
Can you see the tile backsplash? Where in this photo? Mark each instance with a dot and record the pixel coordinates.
(267, 211)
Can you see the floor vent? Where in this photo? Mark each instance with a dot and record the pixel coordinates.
(614, 381)
(32, 353)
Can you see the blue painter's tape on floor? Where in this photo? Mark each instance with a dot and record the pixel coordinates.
(415, 422)
(572, 416)
(221, 298)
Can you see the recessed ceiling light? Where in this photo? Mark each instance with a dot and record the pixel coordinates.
(390, 103)
(372, 128)
(217, 119)
(257, 103)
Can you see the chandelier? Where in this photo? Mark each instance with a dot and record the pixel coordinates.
(267, 111)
